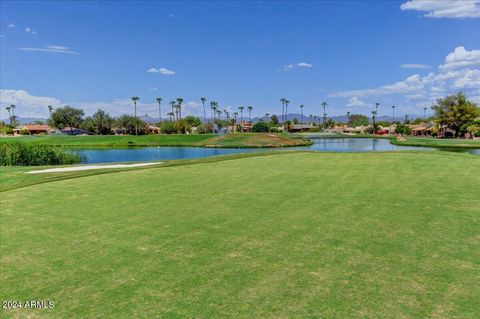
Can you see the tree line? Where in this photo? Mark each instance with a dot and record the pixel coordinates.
(454, 111)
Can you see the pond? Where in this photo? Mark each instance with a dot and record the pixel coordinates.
(173, 153)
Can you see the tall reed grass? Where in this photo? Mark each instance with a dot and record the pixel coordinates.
(22, 154)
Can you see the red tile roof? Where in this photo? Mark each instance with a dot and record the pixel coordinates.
(36, 127)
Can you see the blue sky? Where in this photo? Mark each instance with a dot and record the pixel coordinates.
(349, 54)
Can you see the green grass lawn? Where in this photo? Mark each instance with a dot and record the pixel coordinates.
(285, 235)
(115, 140)
(211, 140)
(439, 142)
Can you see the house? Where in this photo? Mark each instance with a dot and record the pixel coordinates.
(357, 129)
(75, 131)
(150, 129)
(119, 131)
(301, 127)
(337, 129)
(246, 126)
(422, 129)
(33, 129)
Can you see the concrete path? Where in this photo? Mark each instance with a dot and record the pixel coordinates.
(89, 167)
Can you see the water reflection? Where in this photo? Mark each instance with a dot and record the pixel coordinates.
(173, 153)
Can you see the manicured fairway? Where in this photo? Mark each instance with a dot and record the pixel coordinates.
(439, 142)
(300, 235)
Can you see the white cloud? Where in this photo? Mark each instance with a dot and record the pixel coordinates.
(471, 80)
(411, 83)
(298, 65)
(56, 47)
(11, 25)
(455, 9)
(355, 101)
(27, 105)
(304, 65)
(461, 58)
(457, 73)
(50, 49)
(163, 71)
(415, 66)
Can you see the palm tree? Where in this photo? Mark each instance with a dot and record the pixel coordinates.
(241, 116)
(374, 114)
(393, 113)
(179, 102)
(348, 116)
(324, 105)
(172, 105)
(13, 106)
(283, 109)
(286, 109)
(301, 119)
(250, 113)
(235, 115)
(212, 115)
(135, 99)
(170, 114)
(267, 115)
(159, 101)
(219, 113)
(204, 114)
(177, 111)
(8, 108)
(50, 108)
(424, 113)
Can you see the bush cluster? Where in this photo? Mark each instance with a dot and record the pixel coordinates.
(22, 154)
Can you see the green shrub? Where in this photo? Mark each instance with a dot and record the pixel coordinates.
(168, 127)
(260, 127)
(403, 129)
(7, 130)
(24, 132)
(21, 154)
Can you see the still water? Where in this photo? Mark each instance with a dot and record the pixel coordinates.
(173, 153)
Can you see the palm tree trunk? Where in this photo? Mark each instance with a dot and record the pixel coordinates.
(136, 126)
(204, 118)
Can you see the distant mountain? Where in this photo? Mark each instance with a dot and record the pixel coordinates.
(26, 120)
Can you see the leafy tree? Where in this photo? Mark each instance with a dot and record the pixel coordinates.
(100, 123)
(329, 123)
(182, 126)
(454, 111)
(193, 120)
(274, 119)
(357, 120)
(403, 129)
(221, 123)
(205, 128)
(260, 126)
(66, 116)
(295, 121)
(131, 123)
(168, 127)
(383, 123)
